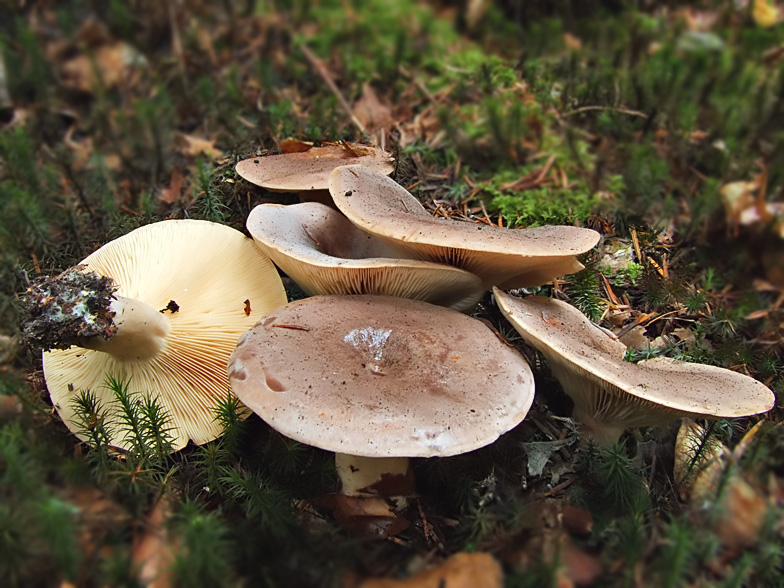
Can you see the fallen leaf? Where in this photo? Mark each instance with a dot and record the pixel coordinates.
(194, 146)
(577, 521)
(374, 115)
(736, 197)
(107, 66)
(580, 567)
(765, 14)
(474, 12)
(462, 570)
(172, 194)
(743, 507)
(291, 145)
(153, 548)
(572, 42)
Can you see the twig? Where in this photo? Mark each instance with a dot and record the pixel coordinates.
(324, 74)
(606, 108)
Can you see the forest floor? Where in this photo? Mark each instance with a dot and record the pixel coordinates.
(662, 129)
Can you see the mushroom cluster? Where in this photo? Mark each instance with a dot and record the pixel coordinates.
(380, 364)
(381, 240)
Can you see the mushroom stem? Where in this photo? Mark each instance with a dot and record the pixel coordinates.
(374, 476)
(594, 428)
(585, 394)
(141, 331)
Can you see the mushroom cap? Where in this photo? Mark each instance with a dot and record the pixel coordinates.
(586, 360)
(510, 258)
(309, 170)
(209, 270)
(377, 376)
(326, 254)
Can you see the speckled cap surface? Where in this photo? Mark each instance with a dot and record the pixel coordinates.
(309, 170)
(567, 338)
(378, 376)
(509, 258)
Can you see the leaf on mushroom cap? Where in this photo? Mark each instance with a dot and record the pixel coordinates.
(590, 366)
(209, 270)
(510, 258)
(309, 170)
(326, 254)
(377, 376)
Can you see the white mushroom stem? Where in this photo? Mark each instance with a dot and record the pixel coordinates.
(141, 331)
(358, 475)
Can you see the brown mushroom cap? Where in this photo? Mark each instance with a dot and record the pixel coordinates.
(209, 270)
(326, 254)
(619, 394)
(509, 258)
(377, 376)
(309, 170)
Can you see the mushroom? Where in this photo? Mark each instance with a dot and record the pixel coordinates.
(160, 309)
(611, 395)
(325, 254)
(378, 380)
(307, 172)
(504, 257)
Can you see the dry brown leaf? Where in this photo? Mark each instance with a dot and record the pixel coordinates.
(696, 482)
(291, 145)
(743, 506)
(474, 12)
(194, 146)
(581, 568)
(154, 549)
(172, 194)
(462, 570)
(108, 66)
(572, 42)
(576, 521)
(374, 114)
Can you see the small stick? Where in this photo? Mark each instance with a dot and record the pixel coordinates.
(294, 327)
(606, 108)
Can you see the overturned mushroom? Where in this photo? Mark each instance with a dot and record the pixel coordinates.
(307, 172)
(325, 254)
(378, 380)
(504, 257)
(610, 394)
(160, 309)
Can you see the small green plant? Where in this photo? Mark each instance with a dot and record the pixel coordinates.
(136, 419)
(583, 291)
(204, 557)
(210, 201)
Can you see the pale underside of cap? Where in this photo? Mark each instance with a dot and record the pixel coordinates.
(309, 170)
(510, 258)
(325, 254)
(209, 270)
(376, 376)
(590, 366)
